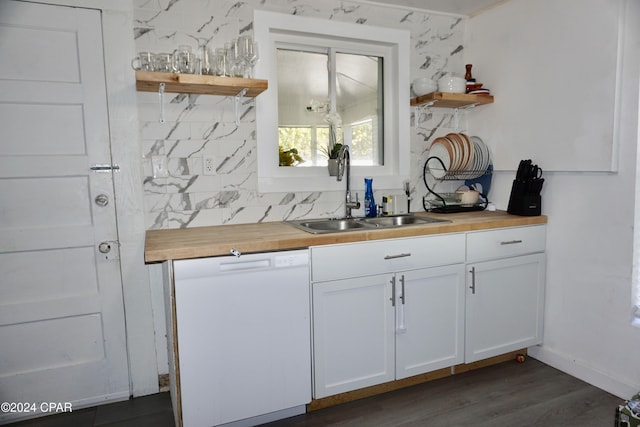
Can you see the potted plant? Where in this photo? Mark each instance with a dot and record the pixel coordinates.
(289, 157)
(333, 147)
(331, 151)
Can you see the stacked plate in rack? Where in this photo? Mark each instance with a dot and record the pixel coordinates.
(458, 155)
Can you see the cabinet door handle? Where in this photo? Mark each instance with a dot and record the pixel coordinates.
(473, 280)
(401, 326)
(402, 255)
(511, 242)
(393, 291)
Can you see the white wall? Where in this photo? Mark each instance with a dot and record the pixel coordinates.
(588, 331)
(557, 63)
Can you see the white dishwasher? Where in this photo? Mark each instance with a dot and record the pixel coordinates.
(243, 337)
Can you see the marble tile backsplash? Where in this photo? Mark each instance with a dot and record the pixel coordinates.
(204, 126)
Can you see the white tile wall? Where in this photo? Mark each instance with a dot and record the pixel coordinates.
(205, 125)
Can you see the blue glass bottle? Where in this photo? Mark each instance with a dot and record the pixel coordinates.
(370, 209)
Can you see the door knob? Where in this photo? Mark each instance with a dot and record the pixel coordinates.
(104, 247)
(102, 200)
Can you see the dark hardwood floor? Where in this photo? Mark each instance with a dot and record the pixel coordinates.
(148, 411)
(508, 394)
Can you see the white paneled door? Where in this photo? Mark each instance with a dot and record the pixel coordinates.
(62, 332)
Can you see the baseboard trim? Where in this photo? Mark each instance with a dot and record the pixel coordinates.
(459, 369)
(581, 370)
(163, 382)
(349, 396)
(361, 393)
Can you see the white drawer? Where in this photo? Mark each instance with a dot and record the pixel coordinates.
(331, 262)
(505, 242)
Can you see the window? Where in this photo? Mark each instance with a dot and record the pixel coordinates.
(329, 92)
(324, 76)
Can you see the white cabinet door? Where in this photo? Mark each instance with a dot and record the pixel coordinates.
(353, 334)
(504, 301)
(430, 320)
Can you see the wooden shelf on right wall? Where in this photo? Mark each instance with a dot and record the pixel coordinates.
(451, 100)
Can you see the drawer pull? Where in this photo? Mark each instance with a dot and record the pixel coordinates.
(403, 255)
(511, 242)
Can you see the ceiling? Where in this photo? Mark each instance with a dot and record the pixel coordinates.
(457, 7)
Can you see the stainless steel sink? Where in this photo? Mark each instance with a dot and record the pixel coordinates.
(330, 225)
(333, 225)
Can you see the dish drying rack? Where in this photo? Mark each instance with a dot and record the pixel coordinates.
(440, 204)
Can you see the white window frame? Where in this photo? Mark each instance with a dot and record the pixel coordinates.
(392, 44)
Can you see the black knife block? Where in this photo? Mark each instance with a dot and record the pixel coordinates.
(523, 203)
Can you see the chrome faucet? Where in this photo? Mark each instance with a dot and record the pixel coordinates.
(344, 162)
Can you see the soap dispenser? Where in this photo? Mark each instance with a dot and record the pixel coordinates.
(370, 209)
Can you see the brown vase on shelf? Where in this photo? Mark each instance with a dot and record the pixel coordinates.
(468, 75)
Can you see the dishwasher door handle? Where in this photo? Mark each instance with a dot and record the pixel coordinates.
(248, 265)
(402, 255)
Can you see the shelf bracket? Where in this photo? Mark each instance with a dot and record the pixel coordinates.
(426, 104)
(161, 88)
(420, 109)
(456, 117)
(238, 101)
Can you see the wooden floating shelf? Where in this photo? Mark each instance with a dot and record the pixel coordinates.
(149, 81)
(451, 100)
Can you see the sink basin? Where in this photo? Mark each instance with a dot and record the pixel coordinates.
(399, 220)
(333, 225)
(330, 225)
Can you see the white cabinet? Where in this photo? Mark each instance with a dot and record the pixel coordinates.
(401, 321)
(353, 334)
(505, 291)
(430, 320)
(382, 310)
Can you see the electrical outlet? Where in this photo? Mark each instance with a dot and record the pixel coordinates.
(160, 166)
(208, 165)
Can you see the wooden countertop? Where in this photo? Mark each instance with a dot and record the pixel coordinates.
(198, 242)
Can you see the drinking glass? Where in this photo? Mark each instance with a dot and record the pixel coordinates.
(164, 62)
(253, 59)
(245, 51)
(145, 61)
(207, 61)
(184, 60)
(221, 68)
(234, 59)
(249, 53)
